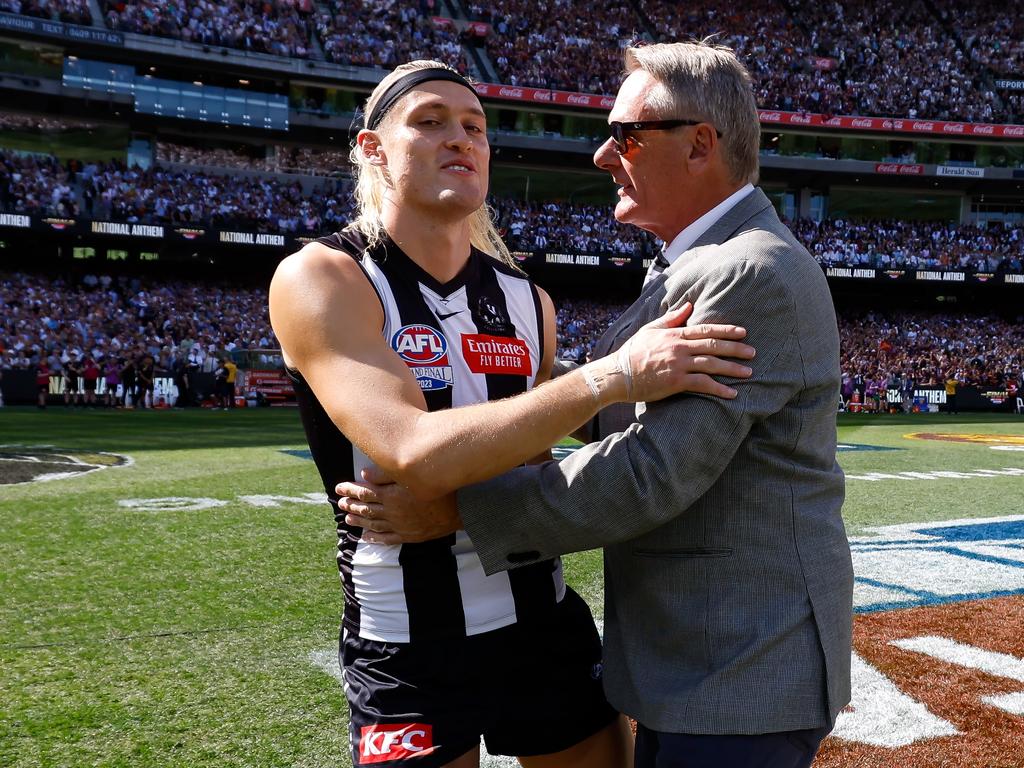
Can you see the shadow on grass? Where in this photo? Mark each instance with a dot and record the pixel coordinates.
(113, 430)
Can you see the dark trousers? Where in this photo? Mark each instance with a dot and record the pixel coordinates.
(786, 749)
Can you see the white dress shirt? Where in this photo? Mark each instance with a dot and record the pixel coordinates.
(685, 239)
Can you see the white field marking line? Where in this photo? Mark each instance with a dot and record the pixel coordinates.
(1008, 702)
(882, 715)
(944, 649)
(265, 501)
(1007, 447)
(939, 474)
(172, 504)
(989, 662)
(129, 462)
(918, 531)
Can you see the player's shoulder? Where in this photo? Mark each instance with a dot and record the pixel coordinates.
(327, 261)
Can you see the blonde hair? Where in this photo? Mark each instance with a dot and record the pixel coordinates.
(370, 183)
(704, 81)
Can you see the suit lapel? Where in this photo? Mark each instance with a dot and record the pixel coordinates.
(726, 227)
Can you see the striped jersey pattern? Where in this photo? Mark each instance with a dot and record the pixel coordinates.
(477, 337)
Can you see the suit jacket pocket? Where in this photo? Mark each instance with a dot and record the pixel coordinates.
(684, 552)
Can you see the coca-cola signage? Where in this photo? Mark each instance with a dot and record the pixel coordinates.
(767, 116)
(899, 169)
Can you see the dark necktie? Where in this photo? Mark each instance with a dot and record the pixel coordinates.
(659, 265)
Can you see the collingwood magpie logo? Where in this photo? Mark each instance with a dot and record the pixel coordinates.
(492, 319)
(34, 464)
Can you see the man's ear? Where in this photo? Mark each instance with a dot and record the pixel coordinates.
(369, 144)
(703, 148)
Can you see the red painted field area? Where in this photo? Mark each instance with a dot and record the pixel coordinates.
(957, 667)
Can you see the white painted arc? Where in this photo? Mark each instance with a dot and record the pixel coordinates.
(944, 649)
(882, 715)
(1008, 702)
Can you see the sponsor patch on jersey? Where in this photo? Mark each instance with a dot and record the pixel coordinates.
(425, 351)
(398, 741)
(496, 354)
(968, 438)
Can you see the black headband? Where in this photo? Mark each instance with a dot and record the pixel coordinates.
(406, 83)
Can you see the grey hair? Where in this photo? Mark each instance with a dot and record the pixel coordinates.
(371, 182)
(703, 81)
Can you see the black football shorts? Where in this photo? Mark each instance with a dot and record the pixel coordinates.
(527, 689)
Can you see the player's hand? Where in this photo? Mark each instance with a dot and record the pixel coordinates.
(667, 357)
(389, 514)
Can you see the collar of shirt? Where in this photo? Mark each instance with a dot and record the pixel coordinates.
(682, 242)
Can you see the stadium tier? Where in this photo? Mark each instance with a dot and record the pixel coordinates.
(945, 60)
(164, 143)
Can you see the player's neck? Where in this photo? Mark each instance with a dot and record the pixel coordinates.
(441, 248)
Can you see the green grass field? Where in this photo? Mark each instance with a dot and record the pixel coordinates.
(181, 636)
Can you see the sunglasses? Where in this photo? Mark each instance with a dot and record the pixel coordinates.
(622, 132)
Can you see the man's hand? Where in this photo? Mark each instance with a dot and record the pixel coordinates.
(390, 514)
(665, 357)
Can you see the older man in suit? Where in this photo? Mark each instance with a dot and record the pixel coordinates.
(728, 579)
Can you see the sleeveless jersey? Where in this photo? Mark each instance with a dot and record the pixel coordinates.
(478, 337)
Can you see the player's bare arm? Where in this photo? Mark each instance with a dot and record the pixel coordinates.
(329, 320)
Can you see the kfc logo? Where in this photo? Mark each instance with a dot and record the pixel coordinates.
(381, 743)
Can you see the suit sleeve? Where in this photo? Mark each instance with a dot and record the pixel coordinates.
(634, 481)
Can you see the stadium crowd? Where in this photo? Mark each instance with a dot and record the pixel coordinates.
(902, 350)
(563, 45)
(181, 324)
(123, 326)
(364, 33)
(303, 160)
(554, 226)
(282, 28)
(896, 243)
(37, 184)
(191, 198)
(69, 11)
(42, 185)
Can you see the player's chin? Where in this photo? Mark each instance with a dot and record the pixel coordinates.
(469, 200)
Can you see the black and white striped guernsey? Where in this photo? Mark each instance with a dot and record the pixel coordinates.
(478, 337)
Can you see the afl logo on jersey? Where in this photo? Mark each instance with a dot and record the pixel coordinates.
(425, 351)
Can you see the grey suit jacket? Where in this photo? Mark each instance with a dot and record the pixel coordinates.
(728, 579)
